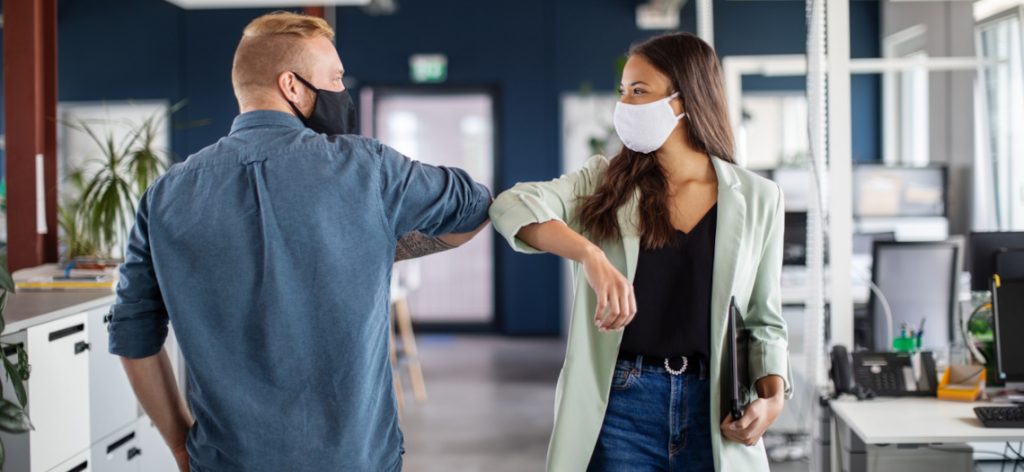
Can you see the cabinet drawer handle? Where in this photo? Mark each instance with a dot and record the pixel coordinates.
(133, 452)
(80, 467)
(63, 333)
(80, 347)
(120, 442)
(13, 349)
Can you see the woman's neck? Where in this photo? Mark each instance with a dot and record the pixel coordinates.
(683, 164)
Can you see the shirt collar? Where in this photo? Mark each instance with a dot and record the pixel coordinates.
(257, 118)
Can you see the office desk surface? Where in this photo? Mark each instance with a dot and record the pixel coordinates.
(918, 421)
(27, 309)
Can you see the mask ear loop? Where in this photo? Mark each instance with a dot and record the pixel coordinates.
(683, 114)
(291, 104)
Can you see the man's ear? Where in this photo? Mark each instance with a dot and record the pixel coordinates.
(290, 87)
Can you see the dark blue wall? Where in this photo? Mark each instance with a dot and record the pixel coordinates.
(151, 49)
(530, 51)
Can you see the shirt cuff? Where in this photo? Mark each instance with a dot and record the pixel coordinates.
(770, 359)
(512, 212)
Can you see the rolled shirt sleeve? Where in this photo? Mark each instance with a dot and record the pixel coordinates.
(433, 200)
(138, 319)
(769, 347)
(528, 203)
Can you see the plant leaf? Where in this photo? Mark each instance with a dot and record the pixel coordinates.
(3, 307)
(13, 418)
(6, 282)
(14, 375)
(24, 368)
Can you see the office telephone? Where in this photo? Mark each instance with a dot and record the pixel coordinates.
(886, 374)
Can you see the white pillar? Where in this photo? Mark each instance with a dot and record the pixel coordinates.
(837, 26)
(706, 21)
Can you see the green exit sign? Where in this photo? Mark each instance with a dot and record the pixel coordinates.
(428, 68)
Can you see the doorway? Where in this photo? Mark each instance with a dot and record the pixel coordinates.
(452, 127)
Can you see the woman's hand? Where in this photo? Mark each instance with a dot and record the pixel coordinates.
(759, 415)
(616, 302)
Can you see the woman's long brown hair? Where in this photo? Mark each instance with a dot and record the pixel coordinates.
(693, 67)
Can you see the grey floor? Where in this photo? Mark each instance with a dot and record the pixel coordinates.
(490, 405)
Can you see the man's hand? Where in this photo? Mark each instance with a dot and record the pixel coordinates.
(759, 415)
(181, 457)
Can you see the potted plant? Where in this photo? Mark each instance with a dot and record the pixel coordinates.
(99, 207)
(13, 417)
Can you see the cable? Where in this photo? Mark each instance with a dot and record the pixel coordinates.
(886, 308)
(1019, 452)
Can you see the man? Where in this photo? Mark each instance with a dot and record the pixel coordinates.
(270, 251)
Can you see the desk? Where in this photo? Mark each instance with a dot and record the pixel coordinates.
(907, 421)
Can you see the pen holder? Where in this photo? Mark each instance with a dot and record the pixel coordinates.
(906, 344)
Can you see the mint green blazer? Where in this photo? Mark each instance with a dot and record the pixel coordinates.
(748, 264)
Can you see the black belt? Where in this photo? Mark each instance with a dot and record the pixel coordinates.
(677, 365)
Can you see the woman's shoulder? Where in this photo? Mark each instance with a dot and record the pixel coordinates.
(589, 175)
(596, 163)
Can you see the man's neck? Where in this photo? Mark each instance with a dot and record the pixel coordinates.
(265, 105)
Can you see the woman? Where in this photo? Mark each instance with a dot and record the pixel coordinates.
(664, 235)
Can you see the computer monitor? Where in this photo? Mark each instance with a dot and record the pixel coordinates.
(885, 191)
(919, 281)
(1008, 321)
(984, 246)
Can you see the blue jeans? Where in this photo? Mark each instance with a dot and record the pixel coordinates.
(655, 421)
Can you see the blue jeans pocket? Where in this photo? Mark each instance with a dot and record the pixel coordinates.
(624, 377)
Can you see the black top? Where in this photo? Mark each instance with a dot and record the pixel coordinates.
(673, 295)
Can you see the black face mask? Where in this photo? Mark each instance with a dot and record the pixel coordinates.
(333, 112)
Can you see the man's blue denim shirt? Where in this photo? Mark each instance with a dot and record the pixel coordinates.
(270, 253)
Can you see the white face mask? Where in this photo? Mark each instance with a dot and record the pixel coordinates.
(644, 128)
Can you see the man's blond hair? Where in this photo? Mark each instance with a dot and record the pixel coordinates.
(272, 44)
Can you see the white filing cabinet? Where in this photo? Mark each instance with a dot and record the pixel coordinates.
(78, 463)
(119, 452)
(156, 456)
(58, 390)
(112, 402)
(84, 411)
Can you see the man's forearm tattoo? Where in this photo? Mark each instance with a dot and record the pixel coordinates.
(417, 244)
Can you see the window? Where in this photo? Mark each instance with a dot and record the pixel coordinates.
(906, 101)
(999, 167)
(773, 130)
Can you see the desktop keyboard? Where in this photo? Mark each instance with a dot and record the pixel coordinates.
(1001, 416)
